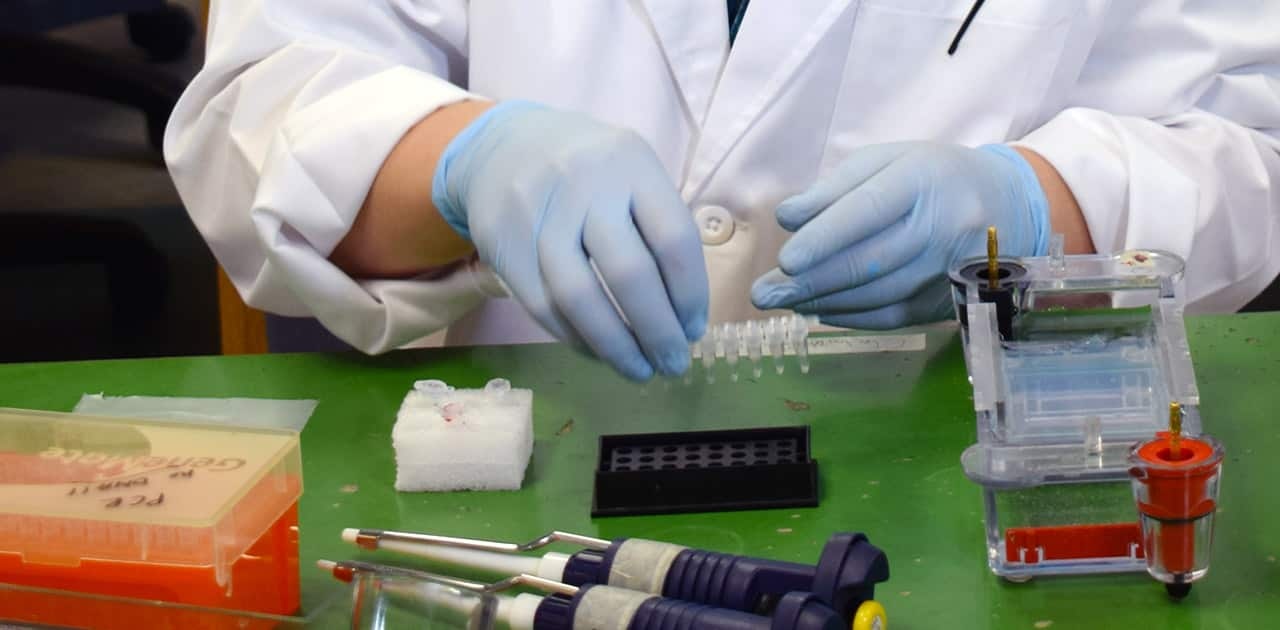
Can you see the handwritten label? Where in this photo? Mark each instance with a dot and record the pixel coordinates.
(129, 487)
(854, 344)
(108, 486)
(137, 500)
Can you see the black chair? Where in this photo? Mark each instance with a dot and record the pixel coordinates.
(110, 278)
(29, 57)
(136, 278)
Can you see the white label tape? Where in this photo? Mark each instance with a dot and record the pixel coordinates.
(855, 344)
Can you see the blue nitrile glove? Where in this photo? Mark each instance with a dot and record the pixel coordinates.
(548, 198)
(874, 240)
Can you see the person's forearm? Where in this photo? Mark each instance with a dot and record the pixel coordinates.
(1065, 216)
(399, 232)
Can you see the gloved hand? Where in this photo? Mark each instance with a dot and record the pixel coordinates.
(550, 197)
(874, 240)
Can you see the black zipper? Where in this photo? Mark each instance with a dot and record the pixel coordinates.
(955, 43)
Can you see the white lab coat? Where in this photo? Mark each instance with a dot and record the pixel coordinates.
(1163, 116)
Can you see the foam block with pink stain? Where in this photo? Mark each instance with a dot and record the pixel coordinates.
(463, 439)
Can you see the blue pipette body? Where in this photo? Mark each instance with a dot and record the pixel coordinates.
(794, 611)
(845, 576)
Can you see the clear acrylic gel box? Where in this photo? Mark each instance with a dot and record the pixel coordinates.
(1073, 359)
(99, 514)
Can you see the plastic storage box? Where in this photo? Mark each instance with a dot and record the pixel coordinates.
(1073, 359)
(96, 512)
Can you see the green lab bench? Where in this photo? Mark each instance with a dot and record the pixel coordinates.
(887, 430)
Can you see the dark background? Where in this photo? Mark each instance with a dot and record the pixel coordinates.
(97, 257)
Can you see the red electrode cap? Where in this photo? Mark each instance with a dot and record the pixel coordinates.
(1176, 485)
(1176, 490)
(1194, 452)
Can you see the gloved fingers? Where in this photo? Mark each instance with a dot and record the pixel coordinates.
(631, 275)
(567, 335)
(669, 233)
(575, 290)
(860, 165)
(771, 290)
(865, 211)
(856, 265)
(524, 279)
(929, 305)
(578, 295)
(900, 286)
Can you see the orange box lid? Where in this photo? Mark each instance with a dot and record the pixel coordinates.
(76, 487)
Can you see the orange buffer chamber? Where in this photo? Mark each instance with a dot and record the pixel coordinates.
(264, 579)
(1032, 545)
(1177, 496)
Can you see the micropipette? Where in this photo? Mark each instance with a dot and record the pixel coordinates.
(591, 606)
(844, 578)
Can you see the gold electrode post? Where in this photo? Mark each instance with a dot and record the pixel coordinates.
(1175, 431)
(993, 258)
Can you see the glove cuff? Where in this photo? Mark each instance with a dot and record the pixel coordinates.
(1037, 203)
(447, 183)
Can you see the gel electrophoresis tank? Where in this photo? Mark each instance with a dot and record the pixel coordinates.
(1073, 359)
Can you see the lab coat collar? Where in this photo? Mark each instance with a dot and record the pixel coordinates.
(755, 74)
(695, 46)
(694, 38)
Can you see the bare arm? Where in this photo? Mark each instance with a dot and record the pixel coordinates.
(399, 232)
(1064, 212)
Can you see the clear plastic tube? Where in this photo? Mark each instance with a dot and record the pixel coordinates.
(774, 334)
(708, 344)
(432, 387)
(777, 337)
(755, 344)
(800, 340)
(730, 338)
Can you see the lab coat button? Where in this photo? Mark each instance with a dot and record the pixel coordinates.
(715, 224)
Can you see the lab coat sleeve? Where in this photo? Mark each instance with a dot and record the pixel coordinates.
(1171, 140)
(276, 142)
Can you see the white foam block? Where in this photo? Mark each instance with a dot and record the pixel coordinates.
(463, 439)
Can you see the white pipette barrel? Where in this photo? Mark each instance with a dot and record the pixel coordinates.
(550, 565)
